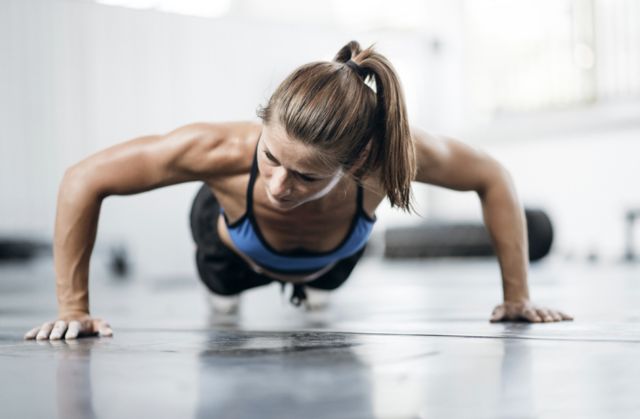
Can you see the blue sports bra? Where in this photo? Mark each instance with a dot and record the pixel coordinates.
(247, 238)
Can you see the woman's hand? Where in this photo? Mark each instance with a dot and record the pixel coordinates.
(70, 327)
(526, 311)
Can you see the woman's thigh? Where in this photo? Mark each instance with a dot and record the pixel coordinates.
(338, 274)
(220, 269)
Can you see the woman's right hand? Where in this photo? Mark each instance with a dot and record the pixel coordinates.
(70, 327)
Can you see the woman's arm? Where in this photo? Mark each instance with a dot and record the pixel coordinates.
(452, 164)
(193, 152)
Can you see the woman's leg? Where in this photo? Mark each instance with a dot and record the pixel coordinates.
(337, 275)
(315, 294)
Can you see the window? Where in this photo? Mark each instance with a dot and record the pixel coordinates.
(541, 54)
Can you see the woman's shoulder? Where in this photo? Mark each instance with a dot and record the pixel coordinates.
(226, 148)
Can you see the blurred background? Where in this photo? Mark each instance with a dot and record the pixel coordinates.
(549, 87)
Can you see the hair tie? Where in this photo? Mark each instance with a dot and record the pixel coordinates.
(353, 65)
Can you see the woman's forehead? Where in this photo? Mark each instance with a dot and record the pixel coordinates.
(293, 154)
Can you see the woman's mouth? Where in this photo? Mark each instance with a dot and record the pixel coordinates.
(278, 200)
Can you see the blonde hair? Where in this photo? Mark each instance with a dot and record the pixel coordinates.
(331, 106)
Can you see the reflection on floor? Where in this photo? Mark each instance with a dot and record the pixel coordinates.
(400, 340)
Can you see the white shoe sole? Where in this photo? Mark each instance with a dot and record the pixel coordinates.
(224, 304)
(317, 299)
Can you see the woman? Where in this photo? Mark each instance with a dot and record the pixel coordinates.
(291, 199)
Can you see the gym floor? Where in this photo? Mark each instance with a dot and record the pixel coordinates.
(400, 340)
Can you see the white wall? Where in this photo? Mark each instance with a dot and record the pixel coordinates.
(76, 77)
(582, 167)
(587, 182)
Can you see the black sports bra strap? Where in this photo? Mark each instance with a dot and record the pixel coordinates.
(252, 181)
(360, 198)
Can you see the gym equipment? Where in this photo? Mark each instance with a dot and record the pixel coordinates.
(24, 249)
(630, 217)
(445, 239)
(119, 264)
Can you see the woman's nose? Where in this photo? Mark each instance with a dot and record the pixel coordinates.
(279, 184)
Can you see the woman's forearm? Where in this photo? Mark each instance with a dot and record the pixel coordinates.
(77, 213)
(506, 223)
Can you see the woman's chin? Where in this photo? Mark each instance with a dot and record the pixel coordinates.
(283, 204)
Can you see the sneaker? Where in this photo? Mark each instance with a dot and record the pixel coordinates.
(317, 299)
(224, 304)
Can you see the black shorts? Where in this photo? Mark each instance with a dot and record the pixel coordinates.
(226, 273)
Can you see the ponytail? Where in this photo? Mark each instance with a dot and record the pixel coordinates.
(392, 147)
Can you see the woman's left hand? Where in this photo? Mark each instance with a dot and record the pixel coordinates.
(526, 311)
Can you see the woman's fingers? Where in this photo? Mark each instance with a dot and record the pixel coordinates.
(498, 313)
(513, 311)
(559, 316)
(565, 316)
(58, 330)
(556, 316)
(531, 315)
(545, 314)
(74, 330)
(70, 329)
(31, 334)
(549, 315)
(104, 329)
(45, 329)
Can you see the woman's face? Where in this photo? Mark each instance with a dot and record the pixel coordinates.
(291, 171)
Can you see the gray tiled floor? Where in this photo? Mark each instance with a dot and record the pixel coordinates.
(401, 340)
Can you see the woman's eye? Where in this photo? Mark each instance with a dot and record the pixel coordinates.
(271, 158)
(275, 162)
(307, 178)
